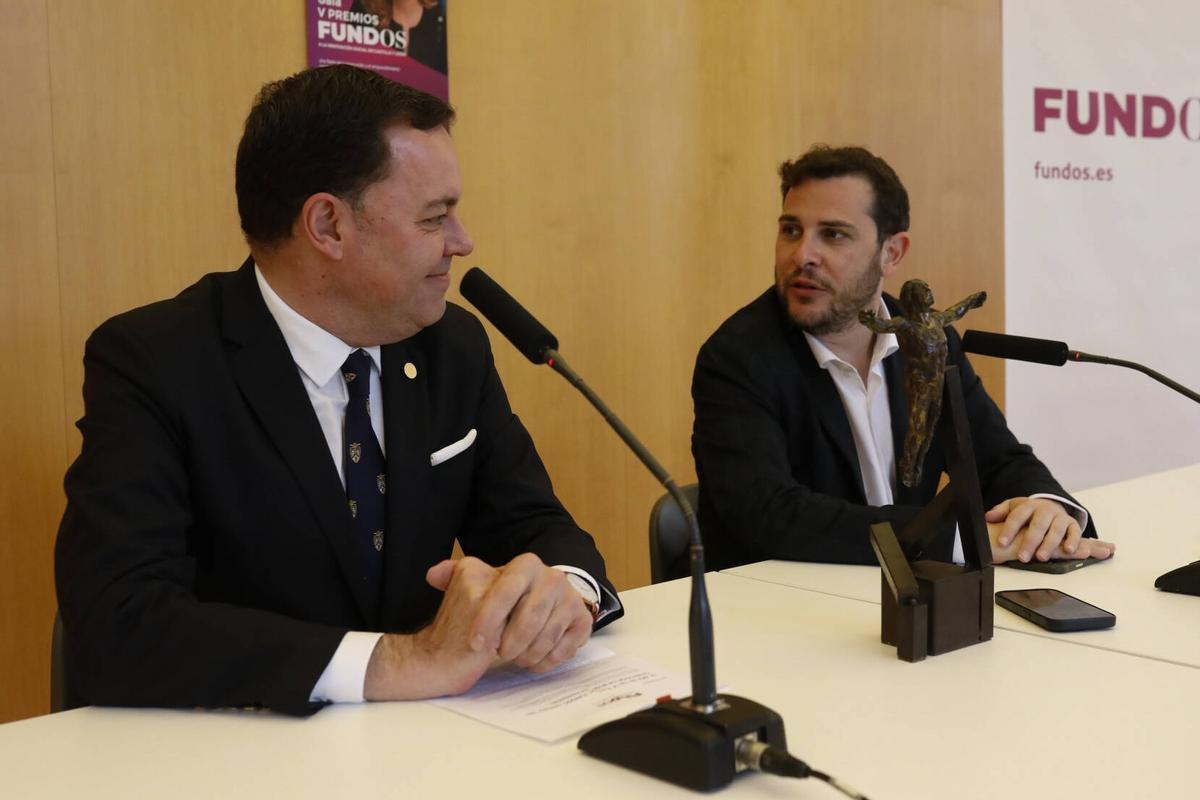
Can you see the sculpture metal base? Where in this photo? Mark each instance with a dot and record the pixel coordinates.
(932, 607)
(954, 610)
(689, 748)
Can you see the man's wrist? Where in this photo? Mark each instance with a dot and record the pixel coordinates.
(586, 592)
(392, 656)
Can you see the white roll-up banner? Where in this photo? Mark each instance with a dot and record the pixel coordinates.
(1102, 229)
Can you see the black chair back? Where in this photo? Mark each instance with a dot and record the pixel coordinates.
(62, 697)
(669, 537)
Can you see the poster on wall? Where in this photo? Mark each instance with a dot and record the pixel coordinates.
(1102, 243)
(404, 40)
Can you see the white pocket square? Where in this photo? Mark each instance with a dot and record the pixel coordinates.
(451, 450)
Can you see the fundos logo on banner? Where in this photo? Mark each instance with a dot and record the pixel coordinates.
(1101, 174)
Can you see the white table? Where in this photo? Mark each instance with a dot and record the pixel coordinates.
(1017, 717)
(1154, 522)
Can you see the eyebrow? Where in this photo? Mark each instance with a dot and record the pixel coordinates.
(448, 202)
(823, 223)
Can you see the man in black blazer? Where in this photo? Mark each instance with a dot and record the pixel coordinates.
(213, 552)
(800, 411)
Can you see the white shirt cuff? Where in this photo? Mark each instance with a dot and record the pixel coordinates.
(342, 680)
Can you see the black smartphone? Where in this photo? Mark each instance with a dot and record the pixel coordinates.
(1054, 610)
(1056, 566)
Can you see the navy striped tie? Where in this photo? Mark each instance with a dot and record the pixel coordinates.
(365, 471)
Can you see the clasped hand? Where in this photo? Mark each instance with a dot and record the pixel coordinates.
(1023, 528)
(524, 612)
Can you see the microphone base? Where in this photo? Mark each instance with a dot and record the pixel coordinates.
(690, 748)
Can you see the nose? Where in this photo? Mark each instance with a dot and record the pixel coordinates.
(805, 252)
(458, 241)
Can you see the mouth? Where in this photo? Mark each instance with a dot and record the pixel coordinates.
(441, 271)
(806, 286)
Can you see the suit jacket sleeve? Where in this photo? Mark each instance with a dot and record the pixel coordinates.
(1007, 468)
(135, 630)
(768, 487)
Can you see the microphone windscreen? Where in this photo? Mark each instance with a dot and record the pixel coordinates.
(510, 317)
(1020, 348)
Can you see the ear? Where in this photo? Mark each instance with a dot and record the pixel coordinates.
(325, 222)
(893, 252)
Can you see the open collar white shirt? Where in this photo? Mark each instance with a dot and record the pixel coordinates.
(870, 414)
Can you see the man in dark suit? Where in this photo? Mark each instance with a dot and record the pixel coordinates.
(277, 462)
(800, 412)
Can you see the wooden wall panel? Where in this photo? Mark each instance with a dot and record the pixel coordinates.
(33, 448)
(620, 179)
(149, 100)
(619, 161)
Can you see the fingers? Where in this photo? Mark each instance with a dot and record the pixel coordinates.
(1094, 548)
(1048, 526)
(998, 512)
(546, 623)
(1040, 529)
(1000, 553)
(525, 652)
(575, 636)
(537, 622)
(567, 628)
(1070, 542)
(438, 576)
(465, 590)
(502, 597)
(438, 660)
(1020, 510)
(1037, 530)
(1023, 528)
(1056, 532)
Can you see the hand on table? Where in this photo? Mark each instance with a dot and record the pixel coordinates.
(532, 616)
(439, 659)
(524, 612)
(1024, 528)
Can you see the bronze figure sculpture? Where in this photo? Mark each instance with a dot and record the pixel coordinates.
(920, 332)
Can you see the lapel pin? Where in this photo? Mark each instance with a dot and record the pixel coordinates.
(410, 370)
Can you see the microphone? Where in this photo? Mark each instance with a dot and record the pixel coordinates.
(1020, 348)
(527, 334)
(699, 742)
(1186, 579)
(1047, 351)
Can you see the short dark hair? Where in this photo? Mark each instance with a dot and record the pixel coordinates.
(890, 208)
(321, 130)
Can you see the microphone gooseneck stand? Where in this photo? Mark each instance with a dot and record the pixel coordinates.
(1183, 580)
(1055, 354)
(700, 636)
(700, 742)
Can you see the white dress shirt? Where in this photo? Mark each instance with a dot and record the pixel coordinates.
(869, 413)
(319, 356)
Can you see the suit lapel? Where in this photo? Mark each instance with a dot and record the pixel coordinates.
(407, 435)
(269, 380)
